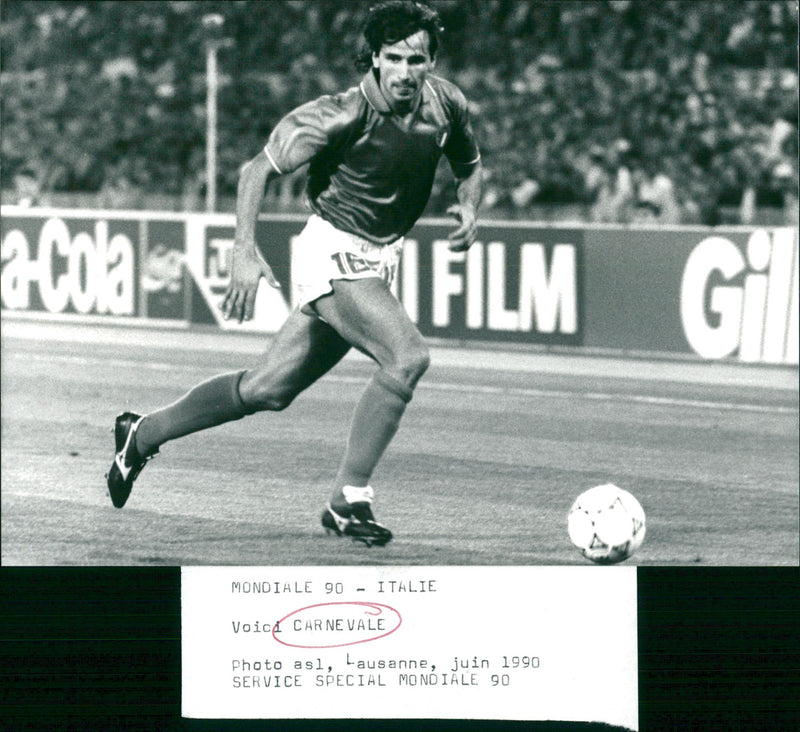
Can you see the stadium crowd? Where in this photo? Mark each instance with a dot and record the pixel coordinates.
(669, 111)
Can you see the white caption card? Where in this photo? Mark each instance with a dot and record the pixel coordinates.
(516, 643)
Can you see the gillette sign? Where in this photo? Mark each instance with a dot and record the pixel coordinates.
(743, 300)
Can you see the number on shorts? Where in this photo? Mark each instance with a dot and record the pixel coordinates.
(349, 263)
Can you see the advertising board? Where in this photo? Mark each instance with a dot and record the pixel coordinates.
(714, 294)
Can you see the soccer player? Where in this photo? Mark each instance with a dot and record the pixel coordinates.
(373, 151)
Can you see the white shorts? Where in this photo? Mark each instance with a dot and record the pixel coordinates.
(322, 253)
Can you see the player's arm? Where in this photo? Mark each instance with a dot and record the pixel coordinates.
(248, 266)
(464, 156)
(468, 192)
(294, 141)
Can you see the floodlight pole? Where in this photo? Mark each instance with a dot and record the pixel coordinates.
(211, 127)
(212, 23)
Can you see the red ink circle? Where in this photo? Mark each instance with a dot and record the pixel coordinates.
(374, 609)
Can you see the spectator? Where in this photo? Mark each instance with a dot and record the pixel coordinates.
(655, 192)
(699, 197)
(27, 188)
(615, 194)
(118, 191)
(786, 181)
(594, 173)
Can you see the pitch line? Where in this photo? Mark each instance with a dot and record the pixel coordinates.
(594, 396)
(458, 388)
(609, 397)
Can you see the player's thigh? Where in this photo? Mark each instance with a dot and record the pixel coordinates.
(367, 315)
(303, 350)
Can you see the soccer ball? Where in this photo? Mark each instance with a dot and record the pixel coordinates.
(606, 523)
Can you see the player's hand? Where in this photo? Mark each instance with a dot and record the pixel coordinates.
(247, 269)
(461, 238)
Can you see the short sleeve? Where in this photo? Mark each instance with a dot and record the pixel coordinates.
(305, 132)
(461, 148)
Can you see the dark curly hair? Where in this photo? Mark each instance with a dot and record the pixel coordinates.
(392, 21)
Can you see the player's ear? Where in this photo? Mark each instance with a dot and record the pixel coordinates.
(374, 60)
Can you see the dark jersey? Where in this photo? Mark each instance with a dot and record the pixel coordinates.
(370, 173)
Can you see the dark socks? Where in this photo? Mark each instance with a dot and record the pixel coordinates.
(375, 422)
(216, 401)
(209, 404)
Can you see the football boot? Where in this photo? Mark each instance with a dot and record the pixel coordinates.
(128, 463)
(357, 522)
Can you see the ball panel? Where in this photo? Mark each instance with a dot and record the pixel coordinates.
(614, 525)
(580, 528)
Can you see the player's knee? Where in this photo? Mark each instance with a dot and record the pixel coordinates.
(413, 362)
(260, 394)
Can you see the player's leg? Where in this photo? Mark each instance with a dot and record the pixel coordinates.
(366, 314)
(303, 350)
(369, 317)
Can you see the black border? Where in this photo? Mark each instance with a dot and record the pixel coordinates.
(84, 648)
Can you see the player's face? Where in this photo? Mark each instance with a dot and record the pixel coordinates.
(403, 67)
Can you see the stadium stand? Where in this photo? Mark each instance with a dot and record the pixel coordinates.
(677, 111)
